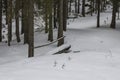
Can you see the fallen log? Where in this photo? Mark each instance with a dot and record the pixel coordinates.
(62, 49)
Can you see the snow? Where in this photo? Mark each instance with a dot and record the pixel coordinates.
(94, 54)
(89, 21)
(84, 65)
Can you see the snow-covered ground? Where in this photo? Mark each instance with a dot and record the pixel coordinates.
(94, 55)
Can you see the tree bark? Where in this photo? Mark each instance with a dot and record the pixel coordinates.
(60, 28)
(98, 13)
(83, 8)
(0, 20)
(65, 12)
(50, 34)
(17, 20)
(113, 22)
(9, 9)
(31, 28)
(46, 16)
(25, 19)
(78, 6)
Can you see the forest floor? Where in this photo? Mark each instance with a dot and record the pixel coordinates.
(94, 55)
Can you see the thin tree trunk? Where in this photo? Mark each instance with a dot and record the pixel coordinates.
(113, 22)
(50, 35)
(25, 20)
(98, 14)
(75, 6)
(6, 10)
(55, 14)
(60, 28)
(17, 20)
(78, 6)
(22, 23)
(91, 7)
(83, 8)
(46, 16)
(70, 4)
(0, 20)
(31, 28)
(9, 9)
(65, 15)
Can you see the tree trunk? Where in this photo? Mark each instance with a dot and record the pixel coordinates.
(0, 20)
(25, 22)
(60, 28)
(75, 6)
(46, 16)
(23, 14)
(65, 12)
(55, 14)
(17, 20)
(50, 34)
(70, 3)
(113, 22)
(9, 9)
(31, 28)
(83, 8)
(78, 6)
(98, 14)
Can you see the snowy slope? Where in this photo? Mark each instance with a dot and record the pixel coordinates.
(95, 54)
(72, 66)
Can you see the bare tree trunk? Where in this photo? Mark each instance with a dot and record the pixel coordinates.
(17, 20)
(6, 10)
(55, 14)
(22, 23)
(46, 16)
(0, 20)
(78, 6)
(50, 34)
(9, 9)
(65, 12)
(25, 20)
(60, 28)
(70, 3)
(98, 14)
(31, 28)
(113, 22)
(83, 8)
